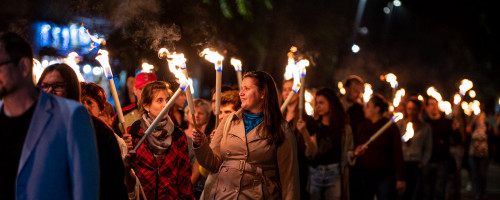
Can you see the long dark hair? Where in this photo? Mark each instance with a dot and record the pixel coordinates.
(69, 76)
(338, 117)
(273, 118)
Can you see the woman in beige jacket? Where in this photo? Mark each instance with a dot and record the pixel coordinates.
(253, 151)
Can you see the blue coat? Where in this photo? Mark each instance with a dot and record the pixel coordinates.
(59, 156)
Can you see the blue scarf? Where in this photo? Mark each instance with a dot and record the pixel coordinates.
(252, 120)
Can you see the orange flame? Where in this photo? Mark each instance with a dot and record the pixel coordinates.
(397, 98)
(213, 57)
(392, 79)
(465, 85)
(368, 92)
(236, 64)
(409, 132)
(72, 59)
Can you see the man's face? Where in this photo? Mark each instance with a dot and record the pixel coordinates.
(432, 107)
(354, 91)
(10, 75)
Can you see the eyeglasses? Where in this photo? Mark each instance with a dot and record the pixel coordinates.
(58, 87)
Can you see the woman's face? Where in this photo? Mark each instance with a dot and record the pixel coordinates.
(287, 88)
(201, 115)
(370, 110)
(322, 105)
(160, 99)
(91, 105)
(53, 83)
(251, 98)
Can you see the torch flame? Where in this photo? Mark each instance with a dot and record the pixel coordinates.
(71, 60)
(475, 107)
(176, 63)
(163, 53)
(213, 57)
(308, 97)
(146, 67)
(397, 116)
(420, 97)
(341, 88)
(409, 132)
(237, 64)
(37, 70)
(433, 93)
(465, 85)
(465, 107)
(367, 94)
(397, 98)
(392, 79)
(102, 57)
(472, 93)
(445, 106)
(457, 99)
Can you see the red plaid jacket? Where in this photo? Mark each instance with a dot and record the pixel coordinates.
(168, 177)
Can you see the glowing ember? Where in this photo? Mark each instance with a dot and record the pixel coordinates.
(465, 86)
(237, 64)
(37, 70)
(420, 98)
(392, 79)
(368, 92)
(146, 67)
(409, 132)
(72, 59)
(102, 57)
(213, 57)
(397, 98)
(472, 93)
(457, 99)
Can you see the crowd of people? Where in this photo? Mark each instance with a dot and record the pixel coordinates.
(63, 140)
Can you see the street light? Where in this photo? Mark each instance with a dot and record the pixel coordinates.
(355, 48)
(396, 3)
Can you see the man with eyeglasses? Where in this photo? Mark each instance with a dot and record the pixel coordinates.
(48, 144)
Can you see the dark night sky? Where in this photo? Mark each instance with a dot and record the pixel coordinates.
(424, 42)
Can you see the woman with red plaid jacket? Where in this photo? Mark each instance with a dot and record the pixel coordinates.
(161, 163)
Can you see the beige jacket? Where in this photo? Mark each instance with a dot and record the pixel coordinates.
(247, 167)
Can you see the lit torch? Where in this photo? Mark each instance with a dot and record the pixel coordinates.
(409, 132)
(474, 106)
(148, 68)
(472, 94)
(341, 88)
(368, 92)
(72, 59)
(37, 70)
(309, 108)
(465, 85)
(397, 116)
(391, 79)
(216, 59)
(397, 98)
(103, 58)
(237, 67)
(291, 71)
(177, 65)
